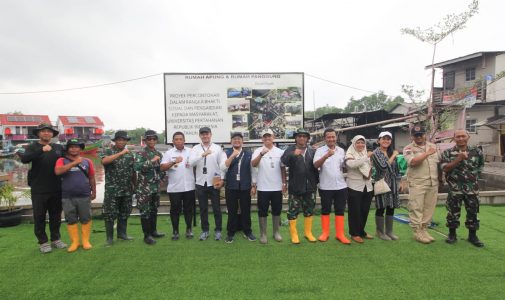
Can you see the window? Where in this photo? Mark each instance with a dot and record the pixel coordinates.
(72, 120)
(21, 118)
(470, 74)
(449, 80)
(89, 120)
(470, 126)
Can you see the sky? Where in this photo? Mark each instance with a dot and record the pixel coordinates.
(53, 45)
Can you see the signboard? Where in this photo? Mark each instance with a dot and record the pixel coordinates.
(465, 96)
(233, 102)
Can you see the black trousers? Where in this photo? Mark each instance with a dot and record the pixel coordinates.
(335, 197)
(265, 199)
(359, 206)
(42, 204)
(181, 202)
(379, 212)
(203, 193)
(234, 198)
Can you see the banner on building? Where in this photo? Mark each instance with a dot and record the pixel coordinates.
(233, 102)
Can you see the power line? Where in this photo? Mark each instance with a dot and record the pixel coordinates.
(341, 84)
(79, 88)
(157, 74)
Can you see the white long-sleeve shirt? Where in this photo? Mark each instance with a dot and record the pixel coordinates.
(214, 163)
(330, 173)
(180, 176)
(355, 179)
(268, 175)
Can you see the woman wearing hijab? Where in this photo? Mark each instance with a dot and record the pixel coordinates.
(384, 162)
(360, 190)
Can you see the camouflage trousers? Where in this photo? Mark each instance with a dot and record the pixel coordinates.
(453, 205)
(148, 205)
(301, 203)
(116, 207)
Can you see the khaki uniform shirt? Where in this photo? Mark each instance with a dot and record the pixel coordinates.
(426, 173)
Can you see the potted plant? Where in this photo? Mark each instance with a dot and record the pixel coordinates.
(10, 215)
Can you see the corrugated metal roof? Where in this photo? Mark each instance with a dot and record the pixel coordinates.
(462, 58)
(398, 124)
(81, 121)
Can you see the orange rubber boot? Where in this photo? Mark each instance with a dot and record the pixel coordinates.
(339, 230)
(325, 224)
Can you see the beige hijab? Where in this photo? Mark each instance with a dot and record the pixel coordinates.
(352, 153)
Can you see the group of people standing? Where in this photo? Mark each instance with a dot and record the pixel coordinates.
(200, 172)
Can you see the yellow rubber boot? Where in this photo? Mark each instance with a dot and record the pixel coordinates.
(86, 231)
(339, 230)
(308, 229)
(73, 233)
(293, 232)
(325, 224)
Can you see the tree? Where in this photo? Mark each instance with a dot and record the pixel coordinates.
(372, 102)
(434, 35)
(137, 134)
(323, 110)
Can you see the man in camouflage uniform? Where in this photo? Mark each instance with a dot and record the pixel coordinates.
(149, 175)
(303, 179)
(462, 165)
(119, 181)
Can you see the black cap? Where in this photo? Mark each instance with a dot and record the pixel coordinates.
(121, 134)
(301, 131)
(417, 130)
(45, 126)
(235, 134)
(150, 133)
(75, 142)
(205, 129)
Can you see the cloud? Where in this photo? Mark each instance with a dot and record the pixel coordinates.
(61, 44)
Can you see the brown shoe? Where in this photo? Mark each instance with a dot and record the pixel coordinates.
(357, 239)
(368, 236)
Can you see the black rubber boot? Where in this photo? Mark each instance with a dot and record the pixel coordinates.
(109, 233)
(121, 230)
(154, 223)
(452, 238)
(146, 228)
(473, 239)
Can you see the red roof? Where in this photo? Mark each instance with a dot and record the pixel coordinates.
(83, 121)
(23, 120)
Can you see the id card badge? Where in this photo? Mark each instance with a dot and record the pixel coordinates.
(238, 177)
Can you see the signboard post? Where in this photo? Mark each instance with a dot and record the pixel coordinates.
(233, 102)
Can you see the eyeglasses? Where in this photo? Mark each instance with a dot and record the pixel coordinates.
(151, 139)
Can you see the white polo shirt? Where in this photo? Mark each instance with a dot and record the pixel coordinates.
(267, 175)
(180, 177)
(331, 176)
(214, 163)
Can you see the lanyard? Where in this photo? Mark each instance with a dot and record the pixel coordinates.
(205, 150)
(241, 155)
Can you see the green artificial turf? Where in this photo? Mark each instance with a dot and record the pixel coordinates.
(192, 269)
